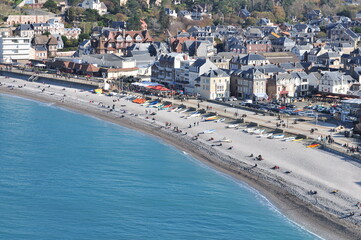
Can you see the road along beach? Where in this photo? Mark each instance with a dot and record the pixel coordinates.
(331, 213)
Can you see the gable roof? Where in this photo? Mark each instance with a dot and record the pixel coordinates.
(215, 73)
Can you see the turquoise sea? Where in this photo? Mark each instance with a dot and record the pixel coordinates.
(64, 175)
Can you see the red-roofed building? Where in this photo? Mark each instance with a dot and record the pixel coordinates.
(117, 41)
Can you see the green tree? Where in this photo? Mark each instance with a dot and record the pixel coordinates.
(134, 22)
(51, 6)
(73, 14)
(357, 29)
(83, 36)
(91, 15)
(346, 13)
(163, 18)
(279, 13)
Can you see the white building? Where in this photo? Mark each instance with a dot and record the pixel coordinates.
(56, 26)
(198, 68)
(13, 49)
(335, 82)
(96, 5)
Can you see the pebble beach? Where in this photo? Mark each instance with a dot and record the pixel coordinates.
(332, 213)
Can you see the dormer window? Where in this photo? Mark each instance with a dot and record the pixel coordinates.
(128, 38)
(138, 38)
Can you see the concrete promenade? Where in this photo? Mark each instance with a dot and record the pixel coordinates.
(91, 82)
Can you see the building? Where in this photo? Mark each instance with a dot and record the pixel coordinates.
(283, 44)
(96, 5)
(72, 33)
(49, 43)
(53, 26)
(29, 19)
(258, 46)
(25, 30)
(249, 84)
(247, 60)
(171, 13)
(14, 49)
(335, 82)
(290, 85)
(198, 68)
(114, 41)
(214, 84)
(341, 34)
(164, 70)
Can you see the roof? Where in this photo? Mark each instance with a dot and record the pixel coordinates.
(213, 73)
(199, 62)
(24, 27)
(280, 57)
(253, 57)
(40, 48)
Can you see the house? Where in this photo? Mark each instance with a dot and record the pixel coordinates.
(314, 14)
(108, 66)
(52, 26)
(244, 13)
(114, 41)
(235, 44)
(94, 4)
(198, 68)
(84, 48)
(249, 84)
(283, 44)
(55, 26)
(335, 82)
(303, 28)
(14, 49)
(250, 59)
(40, 52)
(341, 34)
(163, 70)
(60, 41)
(25, 30)
(301, 51)
(258, 46)
(331, 60)
(171, 13)
(291, 85)
(254, 33)
(72, 33)
(50, 43)
(176, 43)
(214, 84)
(220, 61)
(199, 48)
(265, 22)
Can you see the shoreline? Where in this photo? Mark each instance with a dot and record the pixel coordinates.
(293, 207)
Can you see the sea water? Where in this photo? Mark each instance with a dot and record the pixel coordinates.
(64, 175)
